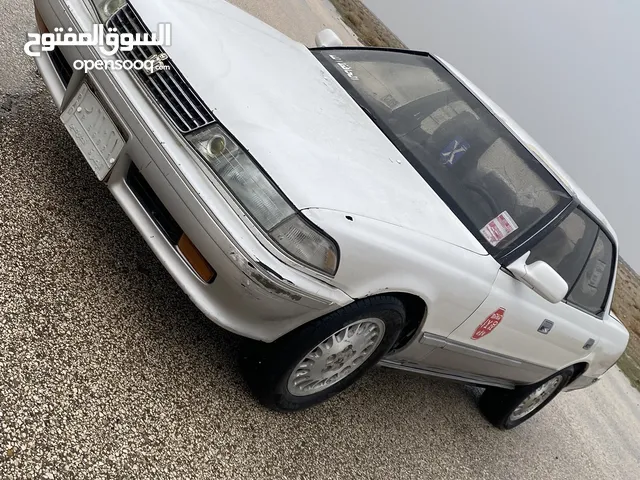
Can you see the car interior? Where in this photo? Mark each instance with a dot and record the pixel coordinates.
(471, 178)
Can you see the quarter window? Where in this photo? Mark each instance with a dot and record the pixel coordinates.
(591, 290)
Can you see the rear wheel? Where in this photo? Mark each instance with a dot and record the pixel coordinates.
(507, 409)
(322, 358)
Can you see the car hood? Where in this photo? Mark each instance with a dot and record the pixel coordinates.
(296, 120)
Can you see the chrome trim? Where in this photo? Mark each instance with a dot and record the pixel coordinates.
(459, 347)
(450, 375)
(433, 340)
(484, 355)
(169, 88)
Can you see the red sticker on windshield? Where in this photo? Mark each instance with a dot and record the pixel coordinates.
(491, 322)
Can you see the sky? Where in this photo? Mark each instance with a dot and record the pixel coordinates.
(566, 70)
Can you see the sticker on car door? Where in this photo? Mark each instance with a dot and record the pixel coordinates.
(489, 324)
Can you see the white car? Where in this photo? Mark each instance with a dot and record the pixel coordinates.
(345, 207)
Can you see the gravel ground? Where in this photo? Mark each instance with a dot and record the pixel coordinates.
(108, 371)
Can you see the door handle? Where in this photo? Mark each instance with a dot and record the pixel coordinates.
(545, 327)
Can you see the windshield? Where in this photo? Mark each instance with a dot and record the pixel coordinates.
(486, 176)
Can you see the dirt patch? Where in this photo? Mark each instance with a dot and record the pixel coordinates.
(369, 29)
(626, 305)
(7, 103)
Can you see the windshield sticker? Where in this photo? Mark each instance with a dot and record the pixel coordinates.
(499, 228)
(348, 70)
(491, 322)
(454, 151)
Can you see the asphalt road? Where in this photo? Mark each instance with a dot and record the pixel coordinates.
(108, 371)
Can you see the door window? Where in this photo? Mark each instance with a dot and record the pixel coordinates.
(583, 255)
(566, 249)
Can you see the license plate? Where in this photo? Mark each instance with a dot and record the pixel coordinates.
(94, 132)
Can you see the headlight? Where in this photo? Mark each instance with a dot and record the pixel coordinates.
(271, 210)
(106, 8)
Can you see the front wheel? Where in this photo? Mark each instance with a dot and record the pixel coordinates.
(507, 409)
(322, 358)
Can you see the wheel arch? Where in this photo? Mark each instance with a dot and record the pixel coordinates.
(578, 369)
(416, 310)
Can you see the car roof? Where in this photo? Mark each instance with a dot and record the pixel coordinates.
(543, 157)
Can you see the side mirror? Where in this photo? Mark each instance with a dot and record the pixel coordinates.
(540, 277)
(328, 38)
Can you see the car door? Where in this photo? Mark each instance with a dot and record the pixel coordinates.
(519, 336)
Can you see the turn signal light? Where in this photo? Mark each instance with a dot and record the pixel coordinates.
(196, 260)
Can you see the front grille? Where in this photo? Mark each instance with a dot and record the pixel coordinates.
(61, 66)
(168, 87)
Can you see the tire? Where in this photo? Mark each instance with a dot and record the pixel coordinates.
(374, 323)
(500, 406)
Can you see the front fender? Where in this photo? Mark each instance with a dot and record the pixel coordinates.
(378, 257)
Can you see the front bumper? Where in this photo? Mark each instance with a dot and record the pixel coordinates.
(254, 294)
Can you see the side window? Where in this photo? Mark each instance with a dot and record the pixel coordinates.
(566, 249)
(591, 291)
